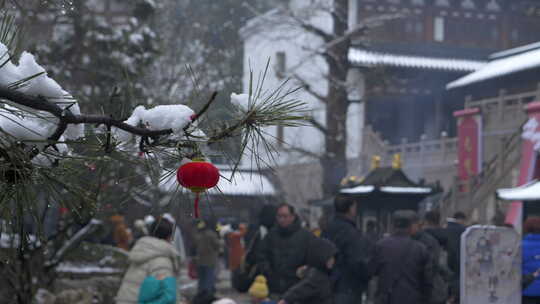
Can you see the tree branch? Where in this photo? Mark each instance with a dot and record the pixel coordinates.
(303, 151)
(361, 28)
(204, 109)
(66, 117)
(73, 242)
(308, 89)
(326, 37)
(318, 126)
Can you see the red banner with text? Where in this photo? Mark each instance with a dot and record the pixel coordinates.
(469, 129)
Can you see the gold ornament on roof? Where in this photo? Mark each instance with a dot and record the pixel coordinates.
(351, 180)
(375, 162)
(396, 161)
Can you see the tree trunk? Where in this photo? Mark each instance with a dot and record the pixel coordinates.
(334, 162)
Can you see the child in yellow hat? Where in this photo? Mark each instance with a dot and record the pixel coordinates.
(259, 290)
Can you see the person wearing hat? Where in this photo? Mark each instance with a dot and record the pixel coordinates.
(403, 266)
(259, 290)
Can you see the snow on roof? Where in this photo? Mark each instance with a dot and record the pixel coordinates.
(358, 189)
(369, 58)
(242, 183)
(387, 189)
(527, 192)
(515, 51)
(254, 24)
(500, 67)
(412, 190)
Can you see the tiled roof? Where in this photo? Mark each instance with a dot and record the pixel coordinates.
(501, 67)
(528, 192)
(369, 58)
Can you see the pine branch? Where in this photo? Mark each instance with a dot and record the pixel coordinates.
(204, 109)
(66, 117)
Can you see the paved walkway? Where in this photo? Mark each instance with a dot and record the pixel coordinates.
(188, 287)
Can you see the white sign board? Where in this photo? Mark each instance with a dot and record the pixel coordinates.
(490, 266)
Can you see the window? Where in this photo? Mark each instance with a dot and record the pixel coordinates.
(438, 29)
(281, 64)
(419, 29)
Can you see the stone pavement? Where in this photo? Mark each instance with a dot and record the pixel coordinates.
(188, 287)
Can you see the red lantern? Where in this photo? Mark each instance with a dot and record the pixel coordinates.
(198, 176)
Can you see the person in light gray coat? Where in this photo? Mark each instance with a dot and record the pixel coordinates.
(152, 255)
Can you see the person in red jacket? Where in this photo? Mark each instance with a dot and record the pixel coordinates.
(121, 234)
(236, 246)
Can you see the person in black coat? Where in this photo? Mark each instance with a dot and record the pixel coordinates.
(350, 273)
(403, 266)
(258, 232)
(316, 285)
(441, 275)
(454, 229)
(432, 221)
(283, 251)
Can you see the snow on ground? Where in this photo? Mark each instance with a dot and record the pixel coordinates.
(86, 269)
(12, 240)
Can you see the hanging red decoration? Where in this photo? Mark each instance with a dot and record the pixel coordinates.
(198, 176)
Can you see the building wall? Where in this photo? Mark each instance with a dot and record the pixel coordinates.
(491, 24)
(273, 35)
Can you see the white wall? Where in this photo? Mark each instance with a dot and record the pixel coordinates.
(267, 35)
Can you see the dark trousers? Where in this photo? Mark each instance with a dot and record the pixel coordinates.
(530, 300)
(347, 298)
(207, 279)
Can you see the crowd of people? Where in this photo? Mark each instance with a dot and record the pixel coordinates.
(276, 260)
(417, 263)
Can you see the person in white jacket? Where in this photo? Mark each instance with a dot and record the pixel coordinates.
(152, 255)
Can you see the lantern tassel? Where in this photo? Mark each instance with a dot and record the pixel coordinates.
(196, 205)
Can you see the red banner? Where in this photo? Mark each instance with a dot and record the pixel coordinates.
(530, 145)
(469, 129)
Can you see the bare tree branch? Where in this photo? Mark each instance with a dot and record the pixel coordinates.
(362, 27)
(326, 37)
(303, 151)
(318, 125)
(306, 86)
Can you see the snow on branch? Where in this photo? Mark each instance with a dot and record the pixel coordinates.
(90, 228)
